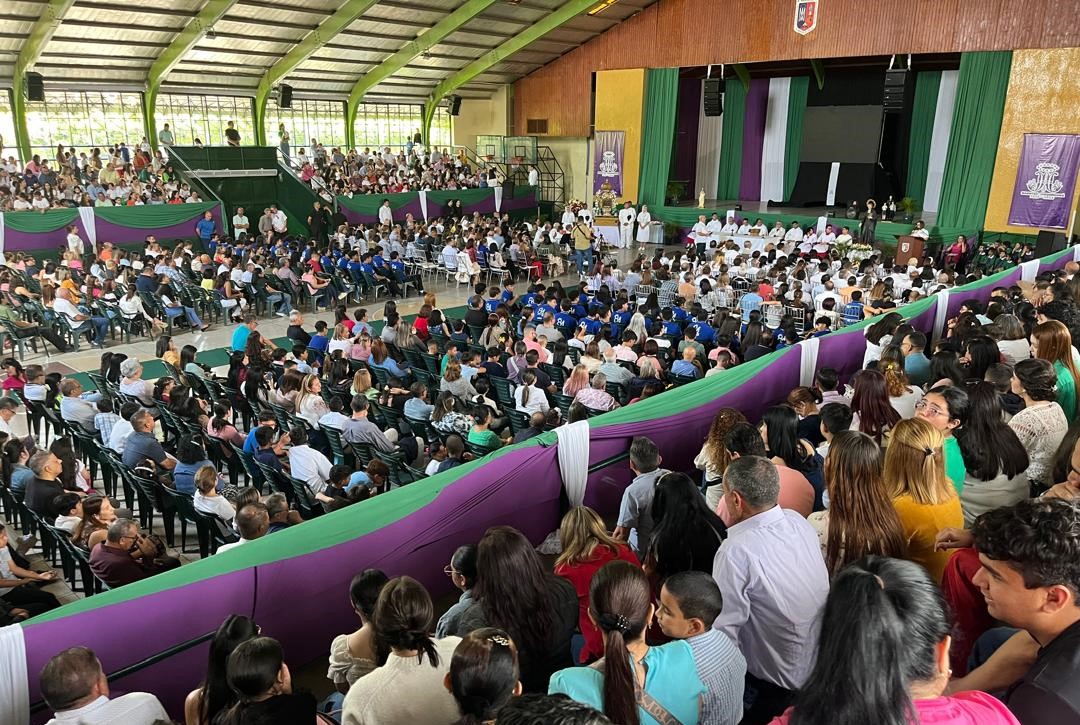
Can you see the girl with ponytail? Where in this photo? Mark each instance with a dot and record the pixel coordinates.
(634, 683)
(883, 656)
(924, 498)
(483, 675)
(408, 686)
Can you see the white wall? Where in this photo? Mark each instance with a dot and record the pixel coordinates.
(573, 156)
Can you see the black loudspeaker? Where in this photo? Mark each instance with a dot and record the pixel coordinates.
(714, 97)
(895, 90)
(508, 189)
(455, 105)
(1049, 242)
(284, 96)
(35, 87)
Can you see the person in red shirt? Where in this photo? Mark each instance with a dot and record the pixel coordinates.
(587, 546)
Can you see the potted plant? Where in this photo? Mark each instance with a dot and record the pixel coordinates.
(910, 206)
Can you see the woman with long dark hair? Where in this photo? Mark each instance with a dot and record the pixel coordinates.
(873, 413)
(994, 458)
(515, 592)
(860, 519)
(945, 369)
(213, 694)
(686, 532)
(883, 655)
(483, 675)
(262, 684)
(946, 408)
(408, 686)
(880, 334)
(780, 431)
(354, 655)
(980, 352)
(620, 601)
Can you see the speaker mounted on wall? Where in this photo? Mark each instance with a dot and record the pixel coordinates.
(284, 96)
(455, 105)
(714, 97)
(35, 87)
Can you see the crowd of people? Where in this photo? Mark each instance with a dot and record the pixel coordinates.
(869, 531)
(120, 175)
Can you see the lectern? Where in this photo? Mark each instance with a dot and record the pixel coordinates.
(908, 247)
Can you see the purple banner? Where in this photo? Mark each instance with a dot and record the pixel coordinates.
(1045, 180)
(608, 160)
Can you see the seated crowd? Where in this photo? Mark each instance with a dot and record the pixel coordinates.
(845, 559)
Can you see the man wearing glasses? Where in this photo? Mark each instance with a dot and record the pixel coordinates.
(125, 556)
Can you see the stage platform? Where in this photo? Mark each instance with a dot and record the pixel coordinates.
(749, 208)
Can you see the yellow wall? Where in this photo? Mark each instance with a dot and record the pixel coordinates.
(572, 153)
(1043, 97)
(483, 117)
(620, 103)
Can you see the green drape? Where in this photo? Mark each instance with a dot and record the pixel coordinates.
(927, 84)
(727, 185)
(467, 196)
(796, 111)
(36, 222)
(658, 135)
(153, 217)
(976, 125)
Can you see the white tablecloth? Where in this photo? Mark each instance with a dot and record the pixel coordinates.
(609, 233)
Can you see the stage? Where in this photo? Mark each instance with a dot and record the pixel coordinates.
(836, 214)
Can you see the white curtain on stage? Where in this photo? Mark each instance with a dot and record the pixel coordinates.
(88, 226)
(939, 140)
(775, 143)
(14, 685)
(708, 154)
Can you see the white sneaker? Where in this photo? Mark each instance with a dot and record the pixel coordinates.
(342, 295)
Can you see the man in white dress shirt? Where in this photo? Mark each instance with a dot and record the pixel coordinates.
(829, 236)
(700, 234)
(774, 583)
(278, 220)
(715, 228)
(240, 222)
(534, 176)
(744, 228)
(627, 217)
(844, 237)
(386, 214)
(253, 521)
(920, 231)
(75, 687)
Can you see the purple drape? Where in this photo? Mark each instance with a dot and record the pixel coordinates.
(757, 103)
(686, 132)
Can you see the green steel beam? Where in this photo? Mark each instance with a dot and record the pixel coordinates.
(469, 10)
(51, 17)
(171, 56)
(819, 72)
(742, 74)
(541, 28)
(349, 11)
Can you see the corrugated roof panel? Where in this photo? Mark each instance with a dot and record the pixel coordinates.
(420, 13)
(126, 18)
(268, 32)
(71, 31)
(288, 14)
(235, 46)
(231, 80)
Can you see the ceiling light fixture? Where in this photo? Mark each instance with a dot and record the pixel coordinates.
(602, 6)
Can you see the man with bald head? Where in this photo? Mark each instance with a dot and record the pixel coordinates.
(80, 322)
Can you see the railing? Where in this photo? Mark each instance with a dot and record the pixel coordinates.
(289, 165)
(204, 189)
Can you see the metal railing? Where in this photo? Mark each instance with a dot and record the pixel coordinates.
(204, 189)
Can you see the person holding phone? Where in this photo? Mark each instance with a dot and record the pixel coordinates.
(18, 585)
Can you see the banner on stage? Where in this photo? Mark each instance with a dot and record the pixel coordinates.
(608, 160)
(1045, 180)
(806, 15)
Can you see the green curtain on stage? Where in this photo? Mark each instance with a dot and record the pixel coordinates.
(727, 185)
(153, 217)
(796, 110)
(976, 125)
(927, 84)
(36, 222)
(658, 138)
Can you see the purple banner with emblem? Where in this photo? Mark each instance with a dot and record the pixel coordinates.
(608, 160)
(1045, 180)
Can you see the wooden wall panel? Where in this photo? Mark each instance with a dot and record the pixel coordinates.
(679, 33)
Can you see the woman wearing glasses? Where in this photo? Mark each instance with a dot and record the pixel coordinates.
(945, 408)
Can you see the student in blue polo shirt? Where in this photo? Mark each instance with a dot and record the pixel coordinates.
(563, 317)
(706, 333)
(667, 325)
(508, 296)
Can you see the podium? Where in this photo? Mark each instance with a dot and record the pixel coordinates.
(908, 247)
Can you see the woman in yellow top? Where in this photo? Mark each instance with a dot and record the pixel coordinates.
(925, 500)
